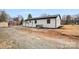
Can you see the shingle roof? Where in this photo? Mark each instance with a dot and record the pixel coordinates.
(45, 17)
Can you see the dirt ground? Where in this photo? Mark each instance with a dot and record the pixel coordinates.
(32, 38)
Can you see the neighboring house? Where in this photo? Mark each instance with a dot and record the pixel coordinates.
(53, 21)
(13, 22)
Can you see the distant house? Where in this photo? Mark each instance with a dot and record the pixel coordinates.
(14, 22)
(53, 21)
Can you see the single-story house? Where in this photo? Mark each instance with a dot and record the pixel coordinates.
(53, 21)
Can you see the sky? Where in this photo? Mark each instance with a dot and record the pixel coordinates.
(39, 12)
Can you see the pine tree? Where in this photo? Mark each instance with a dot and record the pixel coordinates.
(29, 16)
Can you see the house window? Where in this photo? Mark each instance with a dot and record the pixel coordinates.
(35, 21)
(48, 21)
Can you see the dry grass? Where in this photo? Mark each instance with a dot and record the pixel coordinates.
(69, 30)
(4, 24)
(66, 30)
(5, 40)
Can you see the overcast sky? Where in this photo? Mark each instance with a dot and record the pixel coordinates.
(38, 12)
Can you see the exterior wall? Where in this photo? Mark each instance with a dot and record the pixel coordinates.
(33, 23)
(58, 22)
(44, 23)
(24, 23)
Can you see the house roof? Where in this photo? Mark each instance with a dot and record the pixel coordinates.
(45, 17)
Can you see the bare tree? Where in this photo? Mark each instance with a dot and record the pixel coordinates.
(21, 21)
(68, 19)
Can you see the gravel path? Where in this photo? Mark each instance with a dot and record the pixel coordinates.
(12, 38)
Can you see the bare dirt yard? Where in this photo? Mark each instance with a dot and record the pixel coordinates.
(33, 38)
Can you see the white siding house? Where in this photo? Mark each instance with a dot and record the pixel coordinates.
(53, 21)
